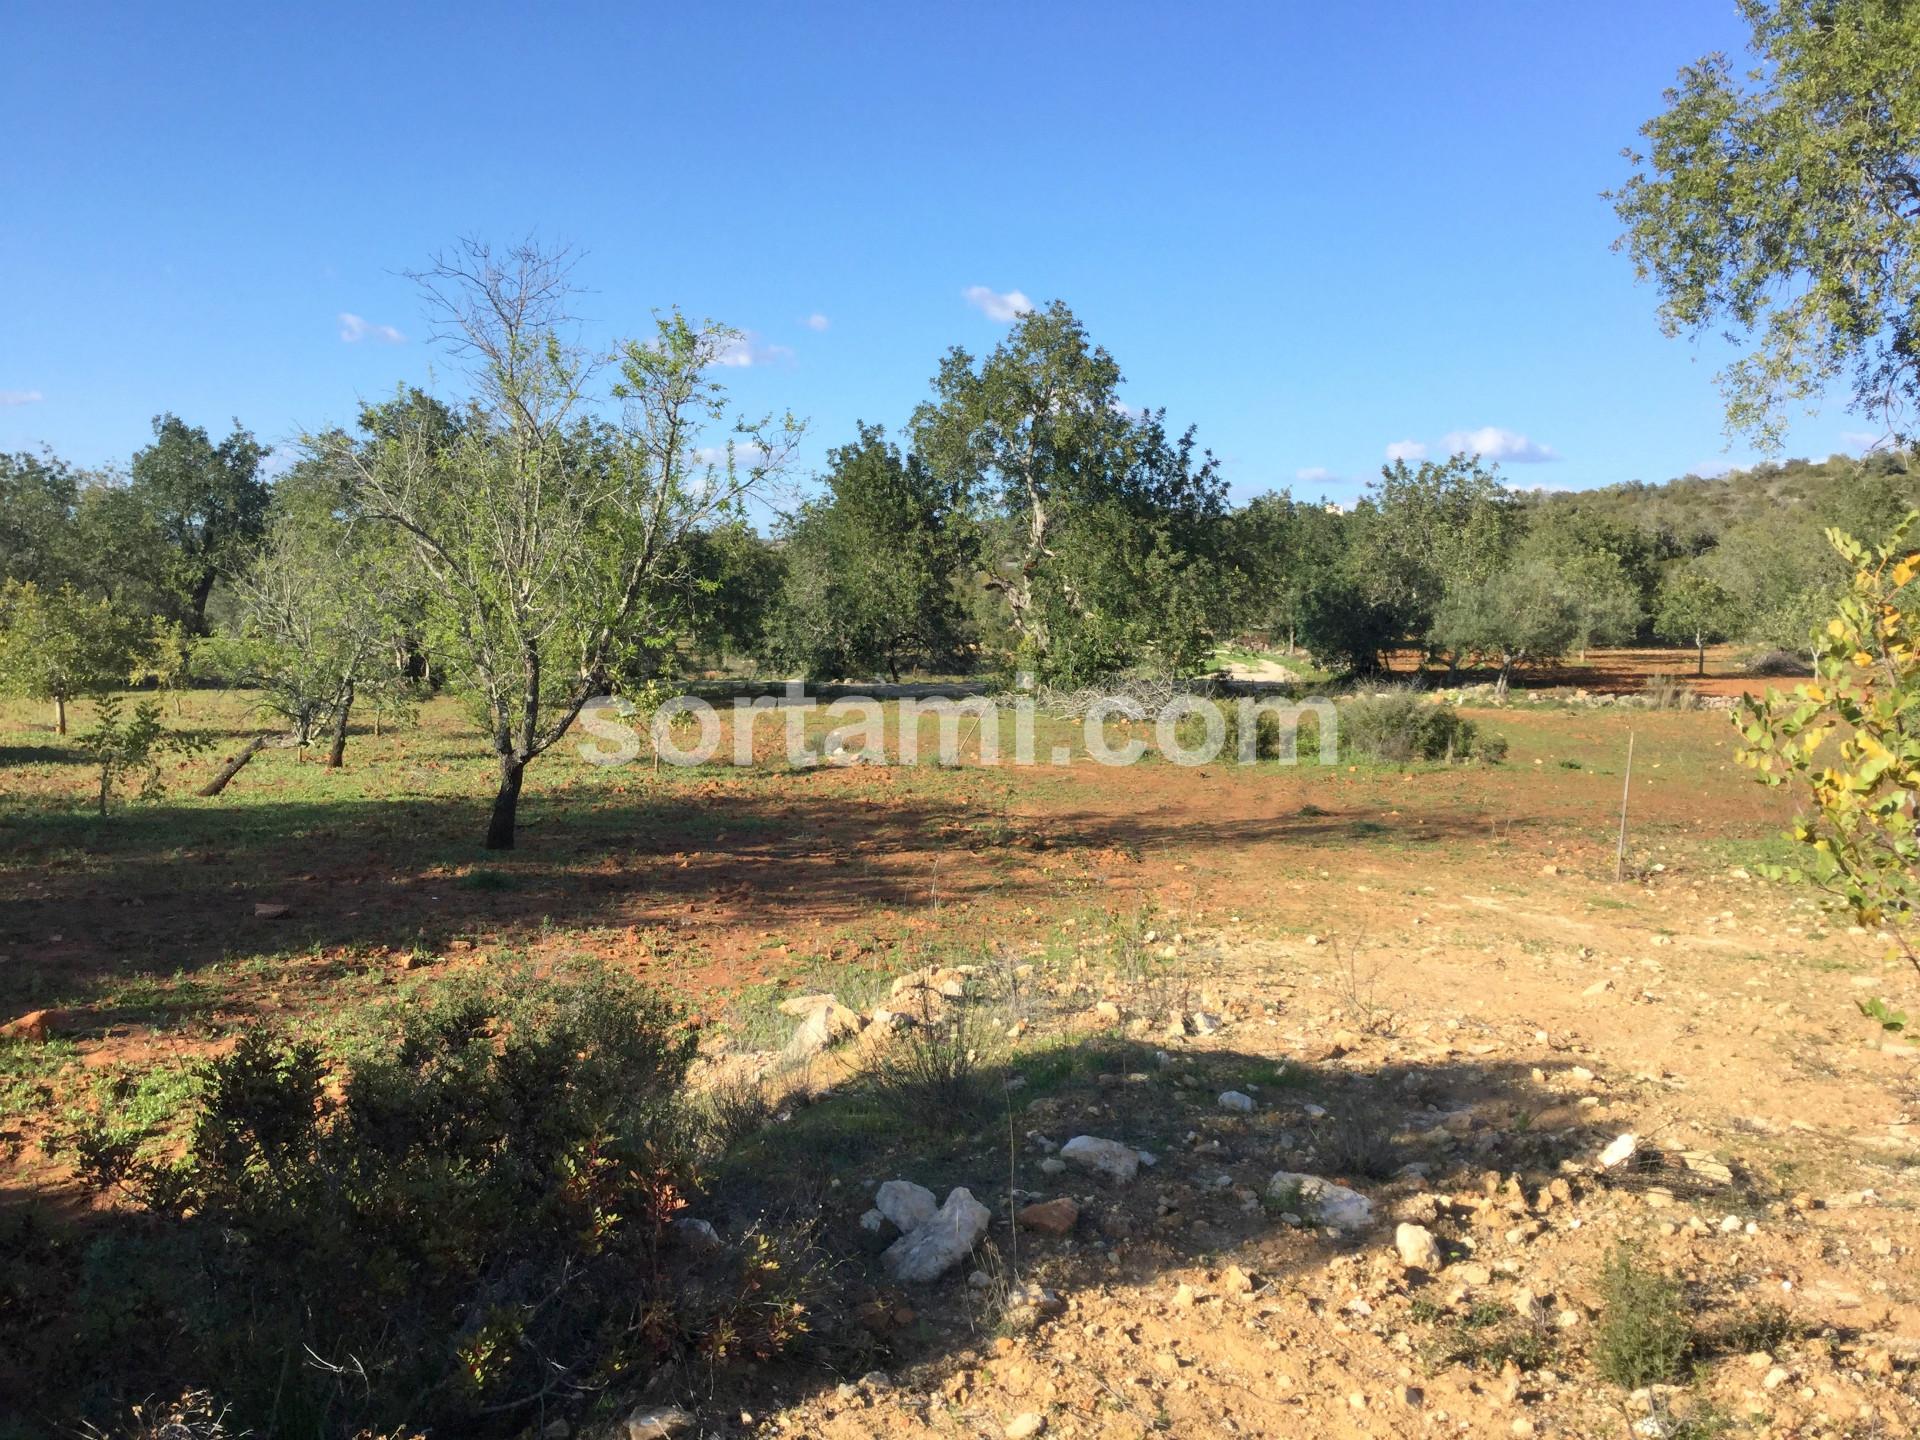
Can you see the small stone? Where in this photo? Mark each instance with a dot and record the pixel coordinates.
(1418, 1249)
(658, 1423)
(269, 910)
(1324, 1202)
(824, 1026)
(1776, 1377)
(1024, 1427)
(940, 1242)
(1235, 1100)
(1619, 1151)
(907, 1205)
(1119, 1163)
(1049, 1217)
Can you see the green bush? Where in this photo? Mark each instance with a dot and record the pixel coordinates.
(1398, 727)
(1644, 1332)
(465, 1230)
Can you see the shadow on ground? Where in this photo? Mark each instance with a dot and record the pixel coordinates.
(808, 1163)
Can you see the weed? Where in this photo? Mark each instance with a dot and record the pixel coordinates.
(930, 1072)
(1643, 1333)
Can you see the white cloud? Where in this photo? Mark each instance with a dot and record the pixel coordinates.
(1005, 308)
(354, 329)
(817, 321)
(20, 397)
(1132, 412)
(746, 455)
(1490, 442)
(1407, 450)
(1712, 469)
(1314, 475)
(749, 349)
(1860, 440)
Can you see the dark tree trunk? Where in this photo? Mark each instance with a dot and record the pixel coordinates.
(202, 588)
(505, 804)
(1700, 664)
(60, 714)
(338, 752)
(233, 767)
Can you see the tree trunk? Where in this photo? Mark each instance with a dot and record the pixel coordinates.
(106, 788)
(338, 752)
(506, 803)
(232, 767)
(1700, 667)
(60, 714)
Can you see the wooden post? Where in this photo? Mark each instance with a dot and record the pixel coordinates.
(1626, 793)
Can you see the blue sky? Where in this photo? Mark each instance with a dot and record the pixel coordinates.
(1313, 231)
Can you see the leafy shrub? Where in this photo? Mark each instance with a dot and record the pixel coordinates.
(470, 1224)
(1398, 726)
(1643, 1333)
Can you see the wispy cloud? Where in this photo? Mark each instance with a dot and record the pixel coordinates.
(1491, 442)
(20, 397)
(746, 455)
(749, 349)
(1860, 440)
(1005, 308)
(817, 321)
(1407, 450)
(355, 328)
(1712, 469)
(1315, 475)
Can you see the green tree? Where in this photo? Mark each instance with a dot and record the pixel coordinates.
(323, 608)
(870, 566)
(1783, 201)
(551, 544)
(39, 495)
(58, 645)
(1526, 614)
(1694, 609)
(1442, 524)
(208, 501)
(1036, 432)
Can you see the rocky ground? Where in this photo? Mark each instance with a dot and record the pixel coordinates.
(1260, 1186)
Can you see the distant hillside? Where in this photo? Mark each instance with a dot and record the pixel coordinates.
(1862, 495)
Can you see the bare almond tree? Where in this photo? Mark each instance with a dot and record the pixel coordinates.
(550, 516)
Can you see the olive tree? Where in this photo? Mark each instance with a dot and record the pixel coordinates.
(57, 645)
(548, 525)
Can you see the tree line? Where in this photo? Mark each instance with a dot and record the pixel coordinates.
(577, 522)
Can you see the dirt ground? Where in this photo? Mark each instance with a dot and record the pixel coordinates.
(1438, 956)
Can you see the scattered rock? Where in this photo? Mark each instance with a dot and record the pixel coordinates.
(940, 1243)
(1321, 1202)
(1028, 1304)
(1235, 1100)
(1418, 1249)
(907, 1205)
(1024, 1427)
(1049, 1217)
(269, 910)
(825, 1025)
(1119, 1163)
(1619, 1151)
(658, 1423)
